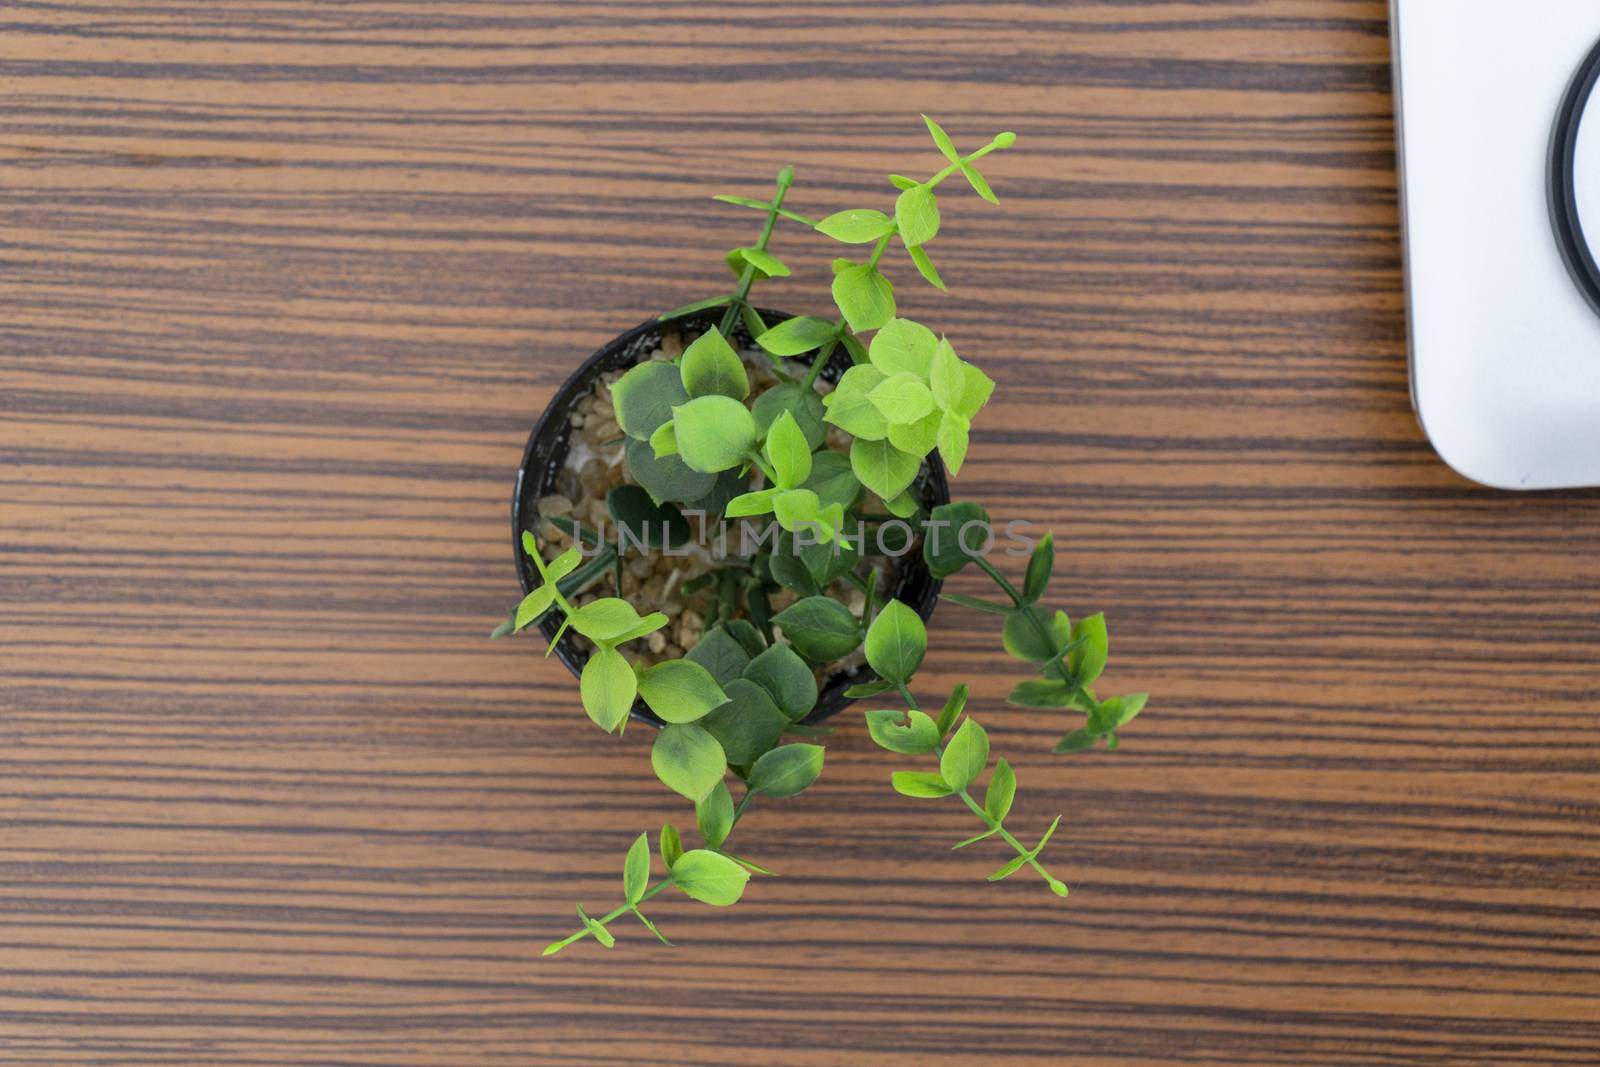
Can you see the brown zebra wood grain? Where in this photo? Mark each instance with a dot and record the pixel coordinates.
(284, 284)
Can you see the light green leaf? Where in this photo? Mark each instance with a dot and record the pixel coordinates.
(976, 393)
(605, 619)
(648, 925)
(644, 397)
(709, 877)
(903, 346)
(956, 535)
(979, 183)
(747, 504)
(820, 628)
(911, 733)
(1088, 659)
(949, 381)
(795, 336)
(856, 226)
(710, 367)
(953, 431)
(952, 709)
(636, 869)
(786, 678)
(864, 296)
(671, 844)
(852, 345)
(900, 181)
(883, 468)
(749, 725)
(1040, 566)
(942, 139)
(664, 442)
(766, 264)
(850, 409)
(688, 761)
(916, 213)
(1022, 640)
(919, 784)
(794, 507)
(666, 478)
(974, 839)
(714, 815)
(647, 625)
(596, 929)
(534, 605)
(1117, 712)
(902, 398)
(965, 756)
(714, 433)
(896, 642)
(563, 564)
(680, 690)
(723, 657)
(1010, 868)
(789, 451)
(796, 400)
(905, 505)
(916, 439)
(608, 686)
(925, 267)
(869, 689)
(1001, 792)
(786, 770)
(698, 305)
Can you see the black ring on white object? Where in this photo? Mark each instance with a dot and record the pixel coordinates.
(1563, 179)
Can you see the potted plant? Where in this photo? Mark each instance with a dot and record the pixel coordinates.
(732, 522)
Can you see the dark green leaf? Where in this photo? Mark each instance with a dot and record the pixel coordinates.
(644, 397)
(748, 726)
(896, 642)
(833, 480)
(636, 869)
(919, 784)
(869, 689)
(1041, 694)
(729, 484)
(642, 522)
(1024, 641)
(710, 877)
(911, 733)
(795, 336)
(820, 628)
(753, 322)
(787, 770)
(1001, 792)
(1117, 712)
(1077, 741)
(720, 654)
(1040, 566)
(747, 636)
(954, 535)
(802, 403)
(787, 680)
(667, 477)
(977, 603)
(714, 815)
(688, 760)
(789, 571)
(965, 756)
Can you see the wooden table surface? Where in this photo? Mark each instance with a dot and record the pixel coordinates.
(283, 286)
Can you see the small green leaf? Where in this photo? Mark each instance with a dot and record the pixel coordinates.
(864, 296)
(976, 393)
(749, 865)
(917, 438)
(1117, 712)
(534, 605)
(980, 185)
(787, 680)
(596, 929)
(786, 770)
(954, 429)
(744, 632)
(648, 925)
(883, 468)
(896, 642)
(904, 506)
(903, 346)
(919, 784)
(664, 442)
(1077, 741)
(925, 267)
(869, 689)
(714, 433)
(641, 521)
(1005, 140)
(952, 709)
(794, 399)
(766, 264)
(748, 726)
(902, 398)
(753, 322)
(796, 336)
(1041, 694)
(796, 508)
(1040, 566)
(710, 877)
(1023, 641)
(644, 397)
(759, 502)
(849, 408)
(1001, 792)
(680, 691)
(721, 655)
(636, 869)
(977, 603)
(946, 376)
(833, 480)
(1010, 868)
(789, 451)
(900, 181)
(688, 761)
(911, 733)
(1088, 659)
(698, 305)
(954, 536)
(820, 628)
(976, 838)
(965, 756)
(647, 625)
(852, 345)
(916, 213)
(714, 815)
(671, 845)
(666, 478)
(942, 139)
(857, 226)
(710, 367)
(608, 686)
(606, 619)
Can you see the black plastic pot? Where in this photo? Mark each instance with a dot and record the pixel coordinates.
(546, 455)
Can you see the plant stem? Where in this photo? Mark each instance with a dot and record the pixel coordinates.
(744, 802)
(755, 457)
(824, 354)
(978, 809)
(1017, 600)
(605, 919)
(952, 168)
(747, 279)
